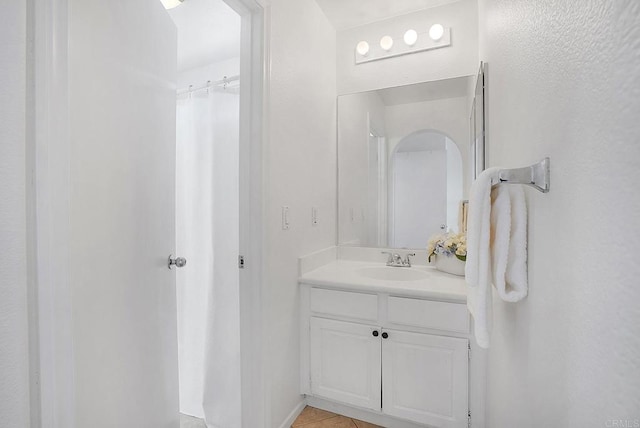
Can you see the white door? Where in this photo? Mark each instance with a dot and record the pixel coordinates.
(419, 196)
(122, 72)
(345, 362)
(425, 378)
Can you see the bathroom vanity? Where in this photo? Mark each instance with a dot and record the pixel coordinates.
(391, 343)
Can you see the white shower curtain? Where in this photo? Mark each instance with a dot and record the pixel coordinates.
(207, 227)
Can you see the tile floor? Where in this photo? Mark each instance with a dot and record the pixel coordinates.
(316, 418)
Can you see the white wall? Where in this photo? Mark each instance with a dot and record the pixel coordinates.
(460, 59)
(14, 348)
(301, 163)
(562, 82)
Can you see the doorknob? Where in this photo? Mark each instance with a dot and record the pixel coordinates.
(176, 261)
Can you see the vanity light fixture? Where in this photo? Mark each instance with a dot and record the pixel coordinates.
(434, 37)
(436, 32)
(386, 43)
(170, 4)
(362, 48)
(410, 37)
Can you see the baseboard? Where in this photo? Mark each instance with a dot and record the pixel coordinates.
(294, 414)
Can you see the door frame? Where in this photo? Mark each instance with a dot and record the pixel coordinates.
(51, 342)
(252, 213)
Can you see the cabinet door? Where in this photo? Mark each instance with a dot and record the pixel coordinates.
(345, 362)
(425, 378)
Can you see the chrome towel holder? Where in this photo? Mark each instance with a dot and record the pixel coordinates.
(536, 176)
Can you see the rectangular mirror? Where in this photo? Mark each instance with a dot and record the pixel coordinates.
(404, 162)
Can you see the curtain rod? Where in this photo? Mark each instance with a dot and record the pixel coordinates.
(222, 82)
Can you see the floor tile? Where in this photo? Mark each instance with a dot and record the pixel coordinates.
(363, 424)
(317, 418)
(311, 414)
(334, 422)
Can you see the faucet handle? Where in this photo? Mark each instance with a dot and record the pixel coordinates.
(390, 258)
(407, 261)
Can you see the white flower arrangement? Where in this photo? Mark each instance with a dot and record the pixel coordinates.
(447, 245)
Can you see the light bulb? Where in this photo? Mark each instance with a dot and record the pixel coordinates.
(410, 37)
(386, 43)
(170, 4)
(362, 48)
(436, 32)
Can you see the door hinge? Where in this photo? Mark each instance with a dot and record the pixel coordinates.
(469, 347)
(240, 262)
(469, 419)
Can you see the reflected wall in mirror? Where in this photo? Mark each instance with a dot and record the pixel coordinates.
(403, 154)
(477, 126)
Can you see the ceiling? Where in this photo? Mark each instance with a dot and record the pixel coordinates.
(345, 14)
(208, 31)
(427, 91)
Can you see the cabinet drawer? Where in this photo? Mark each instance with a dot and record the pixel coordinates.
(344, 304)
(429, 314)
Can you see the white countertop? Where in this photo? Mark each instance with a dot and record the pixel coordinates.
(344, 274)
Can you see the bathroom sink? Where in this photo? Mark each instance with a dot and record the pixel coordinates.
(386, 273)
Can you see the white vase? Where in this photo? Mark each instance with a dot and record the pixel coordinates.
(450, 264)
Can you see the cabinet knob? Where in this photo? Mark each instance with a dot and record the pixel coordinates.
(176, 261)
(385, 335)
(375, 333)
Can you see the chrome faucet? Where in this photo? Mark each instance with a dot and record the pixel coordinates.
(395, 259)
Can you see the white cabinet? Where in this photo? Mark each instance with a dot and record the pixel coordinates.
(425, 378)
(406, 363)
(345, 362)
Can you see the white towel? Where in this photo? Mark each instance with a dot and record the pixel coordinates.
(509, 242)
(496, 249)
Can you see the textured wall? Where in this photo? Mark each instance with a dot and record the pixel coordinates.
(14, 361)
(301, 173)
(563, 82)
